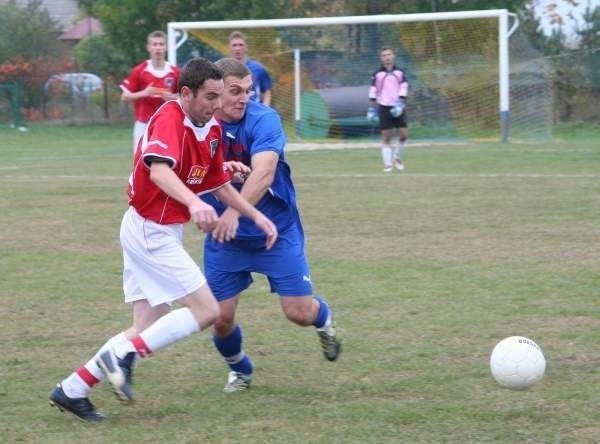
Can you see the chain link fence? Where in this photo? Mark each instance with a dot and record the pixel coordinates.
(66, 98)
(84, 98)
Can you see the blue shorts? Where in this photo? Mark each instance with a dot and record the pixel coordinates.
(228, 266)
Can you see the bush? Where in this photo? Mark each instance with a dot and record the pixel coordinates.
(97, 55)
(29, 49)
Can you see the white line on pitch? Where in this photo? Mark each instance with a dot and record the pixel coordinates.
(89, 179)
(482, 175)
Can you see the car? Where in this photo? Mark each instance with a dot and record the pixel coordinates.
(78, 83)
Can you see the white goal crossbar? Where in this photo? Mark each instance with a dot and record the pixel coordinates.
(177, 35)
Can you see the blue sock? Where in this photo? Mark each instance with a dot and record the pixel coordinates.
(323, 313)
(231, 350)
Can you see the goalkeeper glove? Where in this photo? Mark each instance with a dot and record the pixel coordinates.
(372, 114)
(397, 109)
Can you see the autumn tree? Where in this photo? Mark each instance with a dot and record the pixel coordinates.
(29, 48)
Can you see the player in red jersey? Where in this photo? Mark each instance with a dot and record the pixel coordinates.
(178, 158)
(150, 83)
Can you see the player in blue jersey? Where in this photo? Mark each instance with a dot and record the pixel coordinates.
(254, 135)
(261, 80)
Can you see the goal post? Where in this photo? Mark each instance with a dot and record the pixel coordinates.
(450, 67)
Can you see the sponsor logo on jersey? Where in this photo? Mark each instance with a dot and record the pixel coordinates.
(196, 175)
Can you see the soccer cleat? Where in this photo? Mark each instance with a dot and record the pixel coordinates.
(399, 165)
(388, 169)
(329, 343)
(237, 382)
(119, 373)
(80, 407)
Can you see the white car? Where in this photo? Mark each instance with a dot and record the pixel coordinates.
(79, 83)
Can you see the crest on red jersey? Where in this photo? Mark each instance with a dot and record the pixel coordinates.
(196, 175)
(214, 144)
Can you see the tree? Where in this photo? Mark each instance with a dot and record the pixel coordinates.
(589, 44)
(97, 55)
(27, 32)
(128, 22)
(575, 60)
(29, 48)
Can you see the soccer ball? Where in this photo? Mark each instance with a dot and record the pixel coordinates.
(517, 363)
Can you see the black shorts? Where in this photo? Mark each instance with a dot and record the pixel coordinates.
(386, 121)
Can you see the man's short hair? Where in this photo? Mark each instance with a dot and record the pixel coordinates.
(197, 71)
(232, 67)
(237, 35)
(157, 35)
(386, 48)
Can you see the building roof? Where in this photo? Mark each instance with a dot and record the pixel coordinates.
(83, 28)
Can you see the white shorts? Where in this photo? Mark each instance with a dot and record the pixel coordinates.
(156, 267)
(138, 132)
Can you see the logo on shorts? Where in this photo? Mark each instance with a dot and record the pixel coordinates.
(306, 278)
(196, 175)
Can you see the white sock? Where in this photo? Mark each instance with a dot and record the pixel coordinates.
(386, 155)
(171, 328)
(74, 386)
(399, 150)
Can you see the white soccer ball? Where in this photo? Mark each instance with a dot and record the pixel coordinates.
(517, 363)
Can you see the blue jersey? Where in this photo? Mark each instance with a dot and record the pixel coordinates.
(261, 81)
(261, 130)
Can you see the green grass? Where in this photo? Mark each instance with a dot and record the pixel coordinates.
(426, 270)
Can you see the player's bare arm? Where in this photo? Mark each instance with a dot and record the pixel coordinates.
(261, 176)
(225, 229)
(149, 91)
(166, 94)
(255, 186)
(234, 166)
(266, 98)
(203, 215)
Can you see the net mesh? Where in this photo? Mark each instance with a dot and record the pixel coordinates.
(451, 66)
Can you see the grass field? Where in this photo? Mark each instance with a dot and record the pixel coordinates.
(426, 270)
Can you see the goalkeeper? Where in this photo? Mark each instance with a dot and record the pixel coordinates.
(387, 97)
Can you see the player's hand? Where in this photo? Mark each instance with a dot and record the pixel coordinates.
(151, 91)
(268, 227)
(154, 91)
(239, 171)
(398, 108)
(166, 94)
(203, 215)
(227, 226)
(372, 114)
(233, 166)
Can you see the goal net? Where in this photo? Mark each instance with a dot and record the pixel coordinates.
(461, 84)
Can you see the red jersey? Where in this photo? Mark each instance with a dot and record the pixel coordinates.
(194, 153)
(144, 75)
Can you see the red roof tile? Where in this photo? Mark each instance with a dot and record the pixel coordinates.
(83, 28)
